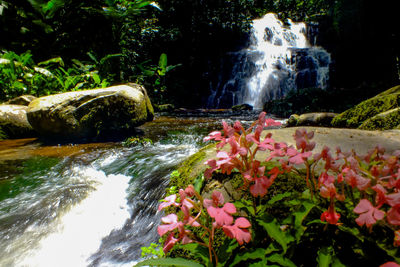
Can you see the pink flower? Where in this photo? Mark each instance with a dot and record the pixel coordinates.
(393, 215)
(355, 180)
(302, 138)
(260, 186)
(170, 242)
(170, 223)
(222, 215)
(330, 216)
(328, 191)
(272, 122)
(368, 213)
(216, 135)
(238, 230)
(390, 264)
(381, 195)
(326, 179)
(393, 199)
(168, 201)
(213, 164)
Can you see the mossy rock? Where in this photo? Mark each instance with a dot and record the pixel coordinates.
(191, 168)
(2, 134)
(242, 107)
(355, 117)
(91, 113)
(383, 121)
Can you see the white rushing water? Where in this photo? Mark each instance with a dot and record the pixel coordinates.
(278, 59)
(271, 43)
(78, 233)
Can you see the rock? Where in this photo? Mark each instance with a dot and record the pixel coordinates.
(166, 108)
(293, 119)
(361, 141)
(242, 107)
(356, 116)
(383, 121)
(312, 119)
(90, 113)
(14, 122)
(23, 100)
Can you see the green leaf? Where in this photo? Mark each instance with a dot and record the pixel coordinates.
(354, 231)
(96, 78)
(279, 197)
(162, 64)
(299, 217)
(337, 263)
(199, 251)
(180, 262)
(259, 253)
(282, 261)
(57, 60)
(324, 257)
(247, 205)
(275, 232)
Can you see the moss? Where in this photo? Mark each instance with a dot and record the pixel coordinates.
(354, 117)
(384, 121)
(2, 135)
(188, 171)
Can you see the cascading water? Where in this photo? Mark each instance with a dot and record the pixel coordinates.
(95, 205)
(279, 59)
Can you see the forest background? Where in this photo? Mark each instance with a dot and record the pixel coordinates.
(173, 47)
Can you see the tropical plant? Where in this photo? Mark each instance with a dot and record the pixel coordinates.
(20, 75)
(342, 205)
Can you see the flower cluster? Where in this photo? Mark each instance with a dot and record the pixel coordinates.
(209, 214)
(376, 175)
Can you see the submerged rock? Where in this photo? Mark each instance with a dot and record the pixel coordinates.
(90, 113)
(366, 114)
(14, 122)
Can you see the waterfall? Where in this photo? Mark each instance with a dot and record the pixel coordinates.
(278, 59)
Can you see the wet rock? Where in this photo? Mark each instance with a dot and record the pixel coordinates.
(292, 121)
(242, 107)
(90, 113)
(14, 122)
(312, 119)
(23, 100)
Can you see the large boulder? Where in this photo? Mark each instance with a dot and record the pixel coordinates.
(357, 116)
(14, 122)
(91, 113)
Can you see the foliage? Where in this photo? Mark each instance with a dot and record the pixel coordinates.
(20, 75)
(347, 215)
(152, 250)
(156, 75)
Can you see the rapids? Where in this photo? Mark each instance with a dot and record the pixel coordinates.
(90, 204)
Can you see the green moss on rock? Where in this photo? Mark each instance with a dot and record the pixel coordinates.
(383, 121)
(2, 135)
(190, 169)
(354, 117)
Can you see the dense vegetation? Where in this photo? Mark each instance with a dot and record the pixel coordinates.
(172, 46)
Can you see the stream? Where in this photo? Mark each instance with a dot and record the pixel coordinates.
(92, 204)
